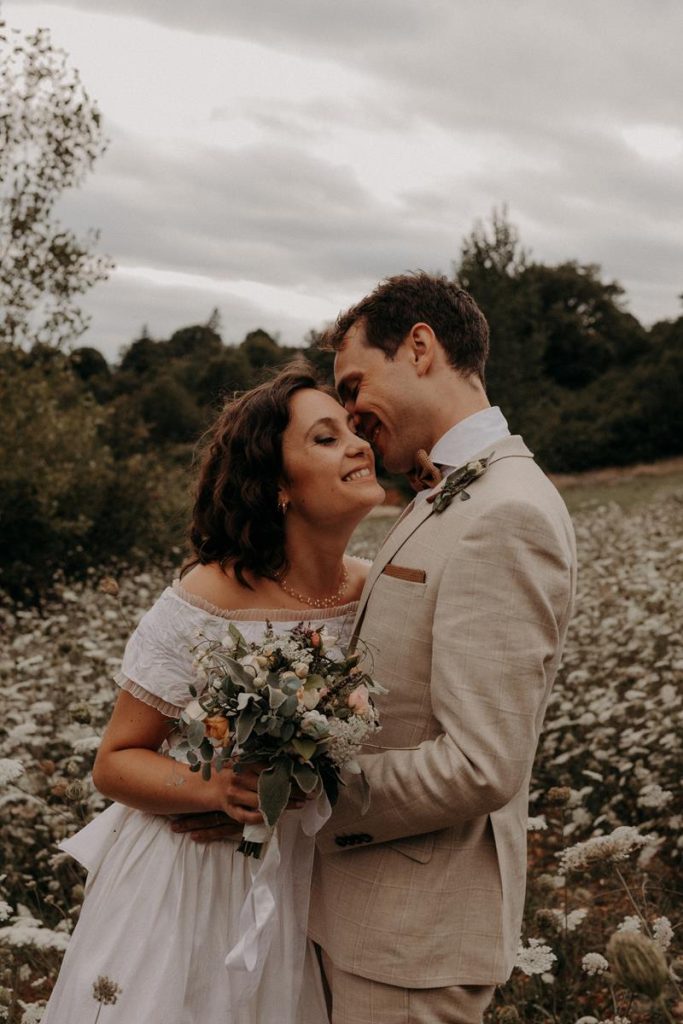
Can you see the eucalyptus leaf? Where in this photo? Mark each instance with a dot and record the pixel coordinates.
(236, 635)
(195, 733)
(240, 675)
(206, 750)
(288, 706)
(274, 788)
(245, 699)
(287, 731)
(274, 727)
(192, 757)
(246, 721)
(275, 696)
(305, 777)
(314, 682)
(206, 771)
(305, 748)
(193, 690)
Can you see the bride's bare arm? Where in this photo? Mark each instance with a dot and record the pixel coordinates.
(129, 769)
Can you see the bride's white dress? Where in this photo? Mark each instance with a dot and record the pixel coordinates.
(161, 911)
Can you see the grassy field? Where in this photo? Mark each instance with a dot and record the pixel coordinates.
(628, 488)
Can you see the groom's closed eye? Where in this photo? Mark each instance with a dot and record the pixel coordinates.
(348, 390)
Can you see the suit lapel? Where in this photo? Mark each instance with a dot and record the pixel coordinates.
(412, 518)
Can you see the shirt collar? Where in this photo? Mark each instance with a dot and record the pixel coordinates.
(470, 436)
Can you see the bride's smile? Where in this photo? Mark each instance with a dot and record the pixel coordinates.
(322, 456)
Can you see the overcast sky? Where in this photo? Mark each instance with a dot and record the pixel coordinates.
(275, 158)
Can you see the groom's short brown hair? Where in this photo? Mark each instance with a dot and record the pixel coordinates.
(398, 302)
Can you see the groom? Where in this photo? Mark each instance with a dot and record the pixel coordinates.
(417, 904)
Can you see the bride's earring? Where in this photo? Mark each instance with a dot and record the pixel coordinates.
(282, 506)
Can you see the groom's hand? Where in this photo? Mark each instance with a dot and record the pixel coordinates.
(211, 827)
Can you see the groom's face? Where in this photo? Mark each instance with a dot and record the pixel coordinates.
(380, 393)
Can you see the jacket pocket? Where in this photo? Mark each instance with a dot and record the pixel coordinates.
(419, 848)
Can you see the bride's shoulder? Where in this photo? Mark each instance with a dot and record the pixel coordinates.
(217, 587)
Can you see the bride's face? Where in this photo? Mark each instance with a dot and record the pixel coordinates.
(329, 469)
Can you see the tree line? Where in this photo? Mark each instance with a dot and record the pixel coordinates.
(99, 461)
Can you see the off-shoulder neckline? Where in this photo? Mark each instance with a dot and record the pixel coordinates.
(260, 614)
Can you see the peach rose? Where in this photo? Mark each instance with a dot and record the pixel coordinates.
(359, 700)
(217, 727)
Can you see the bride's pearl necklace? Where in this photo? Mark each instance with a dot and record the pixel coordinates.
(316, 602)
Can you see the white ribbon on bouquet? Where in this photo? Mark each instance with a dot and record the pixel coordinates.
(274, 916)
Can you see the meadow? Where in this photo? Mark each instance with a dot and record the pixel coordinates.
(601, 938)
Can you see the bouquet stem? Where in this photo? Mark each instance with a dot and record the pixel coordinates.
(254, 838)
(250, 849)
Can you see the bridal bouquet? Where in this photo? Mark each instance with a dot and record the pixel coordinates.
(292, 701)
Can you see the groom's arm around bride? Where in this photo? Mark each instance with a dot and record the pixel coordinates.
(465, 610)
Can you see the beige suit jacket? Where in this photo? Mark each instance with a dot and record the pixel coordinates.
(427, 888)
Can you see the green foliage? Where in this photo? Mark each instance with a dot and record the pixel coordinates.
(575, 373)
(50, 136)
(65, 501)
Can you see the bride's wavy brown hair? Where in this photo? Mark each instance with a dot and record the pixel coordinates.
(235, 519)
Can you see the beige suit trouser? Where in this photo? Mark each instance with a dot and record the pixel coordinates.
(357, 1000)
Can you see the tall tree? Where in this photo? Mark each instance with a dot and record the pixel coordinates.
(50, 137)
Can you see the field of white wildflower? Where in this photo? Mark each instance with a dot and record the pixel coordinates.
(603, 910)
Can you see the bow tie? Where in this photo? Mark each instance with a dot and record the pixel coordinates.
(424, 474)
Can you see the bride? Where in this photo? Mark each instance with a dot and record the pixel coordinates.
(283, 483)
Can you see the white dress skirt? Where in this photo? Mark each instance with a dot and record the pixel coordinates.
(161, 912)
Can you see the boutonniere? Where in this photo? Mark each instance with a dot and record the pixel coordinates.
(457, 483)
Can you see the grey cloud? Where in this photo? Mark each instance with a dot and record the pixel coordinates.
(263, 213)
(549, 83)
(121, 307)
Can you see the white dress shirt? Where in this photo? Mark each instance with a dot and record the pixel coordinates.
(466, 439)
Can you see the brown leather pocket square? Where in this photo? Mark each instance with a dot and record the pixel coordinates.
(402, 572)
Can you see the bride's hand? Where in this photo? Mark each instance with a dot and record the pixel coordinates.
(236, 793)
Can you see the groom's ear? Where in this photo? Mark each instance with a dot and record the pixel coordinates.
(421, 342)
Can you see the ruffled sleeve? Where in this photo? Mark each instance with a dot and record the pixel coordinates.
(157, 665)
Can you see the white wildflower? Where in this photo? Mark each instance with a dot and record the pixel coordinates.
(572, 920)
(594, 963)
(33, 1013)
(5, 911)
(28, 932)
(654, 796)
(631, 923)
(538, 824)
(87, 744)
(536, 958)
(10, 770)
(614, 847)
(663, 932)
